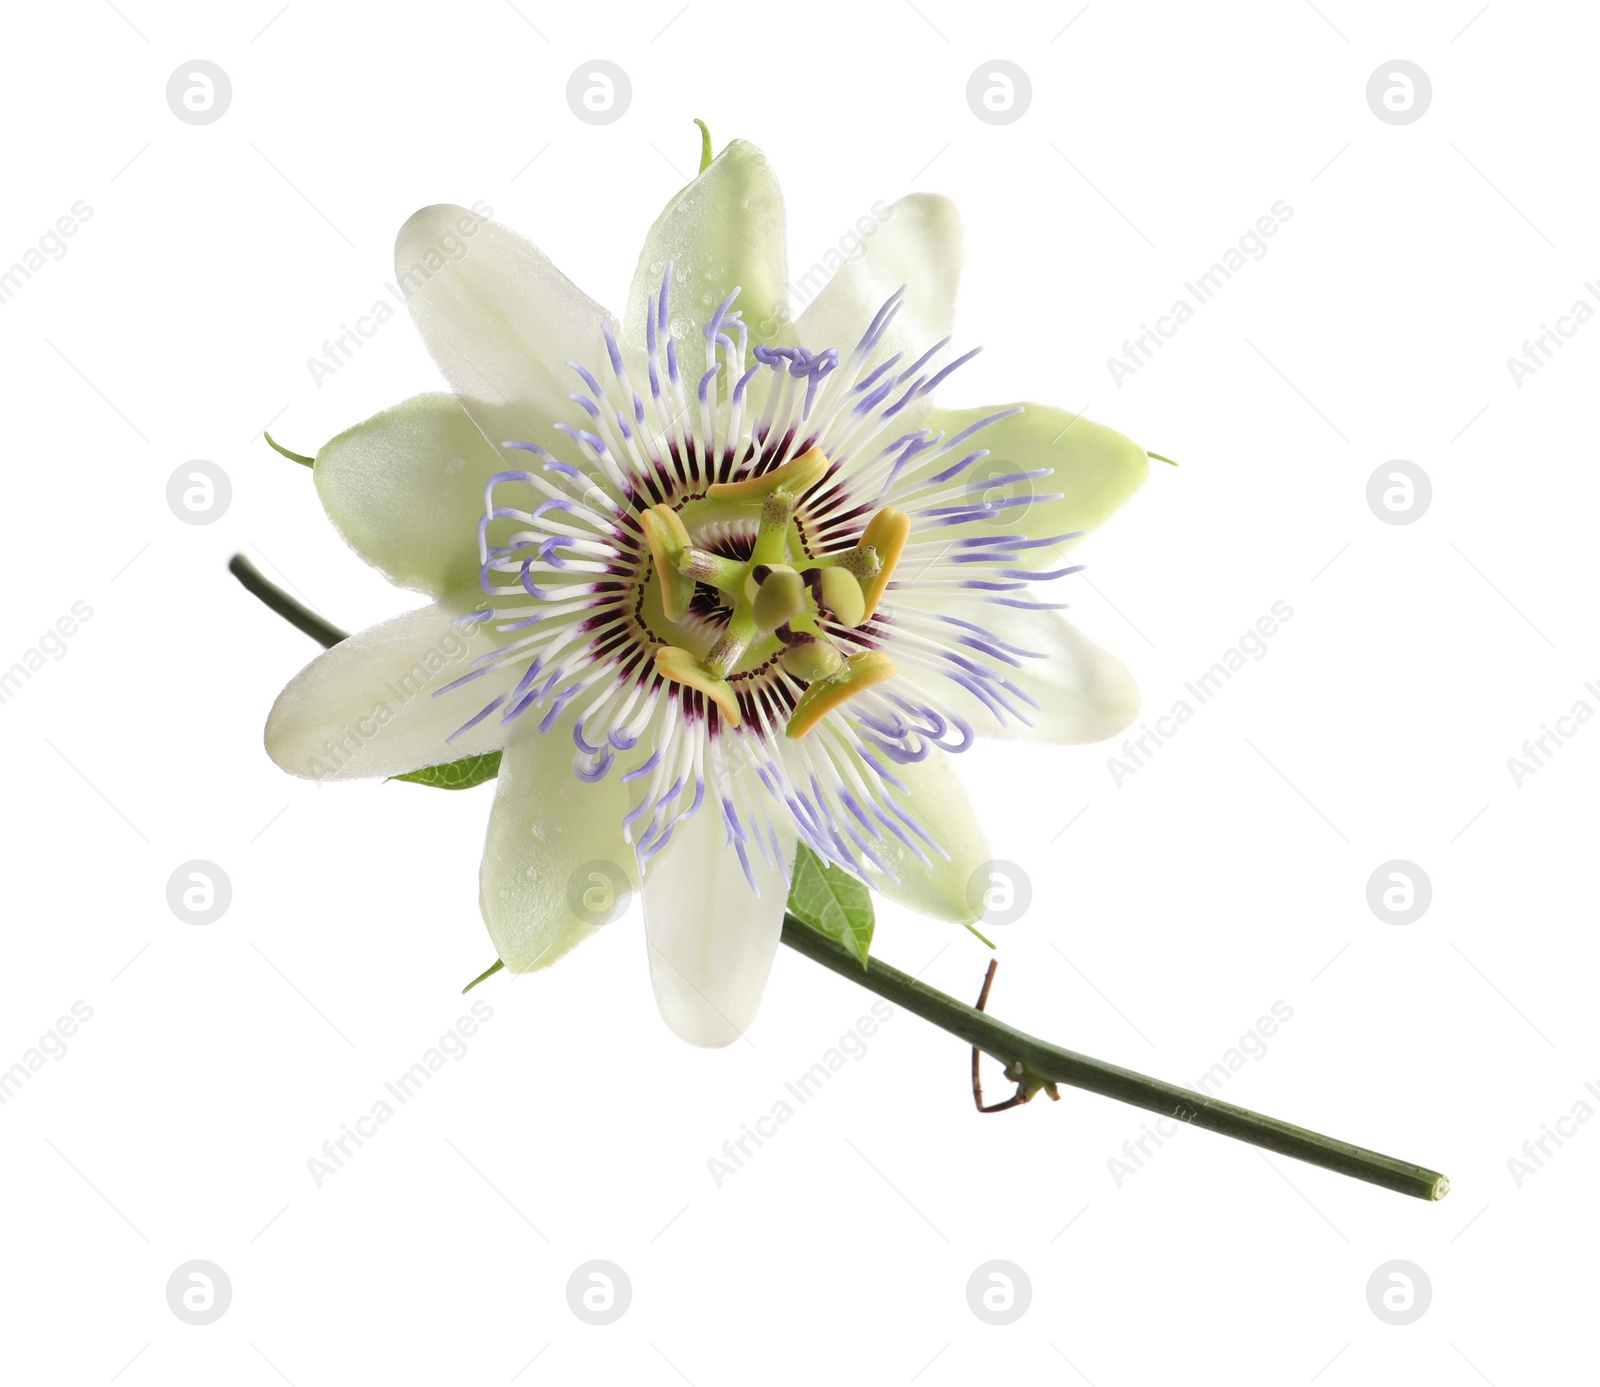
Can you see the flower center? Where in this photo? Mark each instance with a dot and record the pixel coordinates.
(777, 603)
(707, 578)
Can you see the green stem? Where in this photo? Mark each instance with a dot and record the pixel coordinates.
(989, 944)
(488, 972)
(1159, 458)
(705, 145)
(1006, 1043)
(295, 613)
(1009, 1045)
(277, 447)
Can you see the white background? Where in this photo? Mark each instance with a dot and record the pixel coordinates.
(1227, 874)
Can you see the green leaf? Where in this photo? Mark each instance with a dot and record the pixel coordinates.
(831, 901)
(457, 775)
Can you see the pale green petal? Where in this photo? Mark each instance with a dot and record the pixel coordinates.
(724, 230)
(501, 322)
(366, 707)
(712, 939)
(405, 489)
(916, 246)
(555, 867)
(941, 885)
(1093, 471)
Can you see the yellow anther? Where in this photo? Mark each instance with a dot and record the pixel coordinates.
(842, 595)
(796, 476)
(861, 671)
(780, 596)
(672, 523)
(886, 532)
(681, 667)
(667, 539)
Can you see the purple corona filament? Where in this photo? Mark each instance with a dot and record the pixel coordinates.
(576, 618)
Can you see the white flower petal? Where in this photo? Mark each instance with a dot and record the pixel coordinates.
(917, 246)
(501, 322)
(1079, 692)
(555, 867)
(1094, 470)
(711, 938)
(1083, 693)
(366, 707)
(724, 230)
(405, 489)
(939, 887)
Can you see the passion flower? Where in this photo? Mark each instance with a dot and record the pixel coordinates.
(716, 581)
